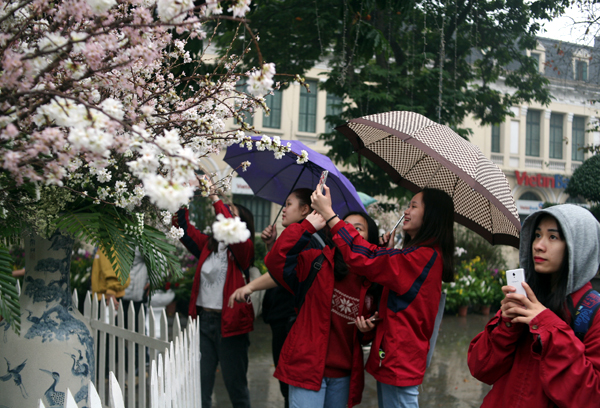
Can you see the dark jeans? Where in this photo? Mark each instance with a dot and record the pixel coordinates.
(279, 329)
(231, 353)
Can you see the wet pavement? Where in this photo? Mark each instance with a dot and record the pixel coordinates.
(447, 383)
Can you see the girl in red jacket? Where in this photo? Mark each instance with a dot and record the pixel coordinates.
(321, 359)
(224, 331)
(412, 282)
(530, 351)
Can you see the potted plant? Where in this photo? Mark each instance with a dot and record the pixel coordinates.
(460, 293)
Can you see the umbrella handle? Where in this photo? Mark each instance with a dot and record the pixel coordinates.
(280, 209)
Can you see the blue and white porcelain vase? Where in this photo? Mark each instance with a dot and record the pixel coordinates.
(55, 349)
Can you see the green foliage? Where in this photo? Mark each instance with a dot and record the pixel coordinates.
(595, 210)
(473, 245)
(404, 55)
(585, 181)
(475, 284)
(118, 235)
(10, 310)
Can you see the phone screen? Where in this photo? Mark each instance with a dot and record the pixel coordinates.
(323, 179)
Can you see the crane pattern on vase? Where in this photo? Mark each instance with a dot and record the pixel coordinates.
(56, 322)
(15, 375)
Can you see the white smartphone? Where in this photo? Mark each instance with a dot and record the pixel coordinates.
(323, 179)
(514, 277)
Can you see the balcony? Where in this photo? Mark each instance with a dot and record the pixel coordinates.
(498, 159)
(557, 165)
(532, 163)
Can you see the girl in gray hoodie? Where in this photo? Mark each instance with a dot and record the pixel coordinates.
(529, 351)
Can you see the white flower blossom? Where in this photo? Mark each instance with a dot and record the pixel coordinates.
(240, 8)
(101, 6)
(260, 82)
(173, 11)
(113, 107)
(166, 217)
(175, 232)
(303, 158)
(167, 194)
(230, 230)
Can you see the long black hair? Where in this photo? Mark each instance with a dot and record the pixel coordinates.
(437, 228)
(551, 293)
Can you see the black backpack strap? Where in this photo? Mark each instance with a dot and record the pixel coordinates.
(584, 313)
(315, 267)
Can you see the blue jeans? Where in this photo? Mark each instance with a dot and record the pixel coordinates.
(391, 396)
(231, 353)
(334, 393)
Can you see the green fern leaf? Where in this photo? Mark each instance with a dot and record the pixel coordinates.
(10, 310)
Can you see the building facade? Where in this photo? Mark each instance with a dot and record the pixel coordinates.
(537, 148)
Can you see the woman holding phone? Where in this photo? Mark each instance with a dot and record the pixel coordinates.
(321, 359)
(224, 338)
(412, 282)
(533, 351)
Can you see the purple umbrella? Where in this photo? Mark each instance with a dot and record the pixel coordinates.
(274, 179)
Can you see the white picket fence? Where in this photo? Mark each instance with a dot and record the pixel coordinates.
(171, 387)
(172, 379)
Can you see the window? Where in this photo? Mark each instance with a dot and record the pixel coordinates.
(334, 107)
(556, 136)
(536, 57)
(578, 138)
(259, 207)
(307, 122)
(496, 138)
(274, 118)
(532, 133)
(580, 70)
(248, 116)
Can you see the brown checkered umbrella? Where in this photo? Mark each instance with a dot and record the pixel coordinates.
(417, 153)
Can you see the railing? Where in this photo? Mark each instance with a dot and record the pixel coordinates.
(498, 159)
(557, 165)
(533, 163)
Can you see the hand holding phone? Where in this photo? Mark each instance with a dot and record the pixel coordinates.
(322, 180)
(372, 319)
(514, 277)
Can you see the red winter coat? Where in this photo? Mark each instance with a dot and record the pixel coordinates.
(538, 365)
(302, 358)
(240, 319)
(412, 287)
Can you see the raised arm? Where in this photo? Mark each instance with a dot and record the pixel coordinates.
(286, 261)
(401, 270)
